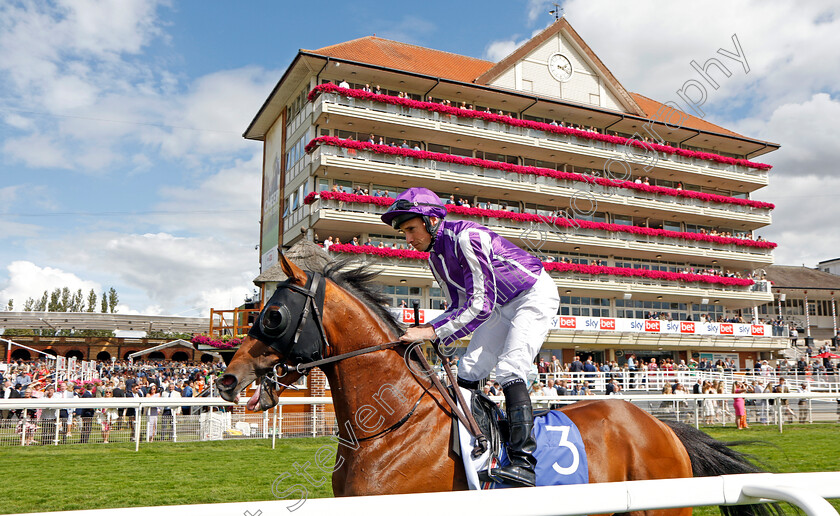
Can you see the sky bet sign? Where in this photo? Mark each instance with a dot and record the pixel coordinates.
(610, 324)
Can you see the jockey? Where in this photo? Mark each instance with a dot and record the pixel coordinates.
(494, 290)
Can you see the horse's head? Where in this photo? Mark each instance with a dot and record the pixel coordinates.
(287, 332)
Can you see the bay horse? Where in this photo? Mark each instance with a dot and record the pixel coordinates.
(399, 427)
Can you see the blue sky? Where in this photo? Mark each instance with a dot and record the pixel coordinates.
(122, 162)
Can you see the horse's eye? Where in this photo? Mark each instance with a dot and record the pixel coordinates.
(275, 320)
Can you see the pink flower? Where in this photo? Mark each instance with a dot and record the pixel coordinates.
(225, 342)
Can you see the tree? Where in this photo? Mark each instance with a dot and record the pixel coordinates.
(41, 305)
(78, 302)
(10, 306)
(66, 300)
(104, 304)
(28, 305)
(91, 302)
(55, 301)
(113, 300)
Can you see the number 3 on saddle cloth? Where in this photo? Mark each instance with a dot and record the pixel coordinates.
(561, 456)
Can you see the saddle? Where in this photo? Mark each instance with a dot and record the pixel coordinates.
(490, 418)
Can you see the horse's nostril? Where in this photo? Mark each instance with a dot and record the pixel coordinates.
(227, 380)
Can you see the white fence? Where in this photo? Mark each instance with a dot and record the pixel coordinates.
(807, 491)
(40, 421)
(654, 381)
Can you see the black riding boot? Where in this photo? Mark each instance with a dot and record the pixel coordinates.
(521, 448)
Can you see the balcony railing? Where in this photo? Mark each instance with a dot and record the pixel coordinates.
(297, 168)
(297, 215)
(622, 195)
(296, 121)
(497, 127)
(559, 234)
(598, 281)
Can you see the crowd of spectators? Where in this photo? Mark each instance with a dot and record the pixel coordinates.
(141, 379)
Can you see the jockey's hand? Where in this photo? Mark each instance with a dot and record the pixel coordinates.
(422, 332)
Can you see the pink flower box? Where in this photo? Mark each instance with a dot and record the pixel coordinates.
(540, 126)
(560, 267)
(538, 171)
(555, 221)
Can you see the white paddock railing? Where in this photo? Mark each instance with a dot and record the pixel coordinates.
(654, 381)
(808, 491)
(38, 421)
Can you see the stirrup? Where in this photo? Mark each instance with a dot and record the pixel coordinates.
(500, 475)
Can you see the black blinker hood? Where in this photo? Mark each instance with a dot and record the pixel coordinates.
(289, 324)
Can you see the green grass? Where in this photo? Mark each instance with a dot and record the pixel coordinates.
(77, 477)
(101, 476)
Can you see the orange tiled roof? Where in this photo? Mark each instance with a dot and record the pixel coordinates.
(446, 65)
(651, 108)
(410, 58)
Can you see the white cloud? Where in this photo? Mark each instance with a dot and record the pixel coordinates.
(808, 135)
(789, 96)
(162, 270)
(539, 9)
(649, 46)
(225, 204)
(804, 219)
(26, 279)
(498, 50)
(72, 64)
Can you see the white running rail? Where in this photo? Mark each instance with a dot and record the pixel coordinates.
(807, 491)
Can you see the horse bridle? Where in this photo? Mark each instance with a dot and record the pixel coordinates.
(272, 328)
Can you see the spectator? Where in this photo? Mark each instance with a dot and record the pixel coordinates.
(152, 419)
(804, 404)
(169, 412)
(107, 417)
(86, 415)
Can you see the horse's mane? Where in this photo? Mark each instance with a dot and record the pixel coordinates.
(359, 282)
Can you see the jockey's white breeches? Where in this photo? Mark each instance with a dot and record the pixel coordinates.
(511, 337)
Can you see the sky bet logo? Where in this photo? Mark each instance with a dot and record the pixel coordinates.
(568, 322)
(686, 327)
(757, 329)
(651, 325)
(607, 324)
(727, 329)
(408, 317)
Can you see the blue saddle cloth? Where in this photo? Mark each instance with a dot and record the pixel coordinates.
(561, 456)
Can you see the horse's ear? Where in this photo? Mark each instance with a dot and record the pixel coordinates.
(291, 270)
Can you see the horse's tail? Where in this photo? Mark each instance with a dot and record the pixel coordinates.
(710, 457)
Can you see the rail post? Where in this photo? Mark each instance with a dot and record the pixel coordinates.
(137, 427)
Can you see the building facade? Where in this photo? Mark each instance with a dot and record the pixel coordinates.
(804, 299)
(643, 214)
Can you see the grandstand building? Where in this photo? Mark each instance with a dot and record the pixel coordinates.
(643, 214)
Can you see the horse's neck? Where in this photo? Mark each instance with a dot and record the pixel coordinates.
(370, 388)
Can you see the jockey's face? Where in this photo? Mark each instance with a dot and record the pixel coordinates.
(415, 233)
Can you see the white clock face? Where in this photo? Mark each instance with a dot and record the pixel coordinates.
(560, 67)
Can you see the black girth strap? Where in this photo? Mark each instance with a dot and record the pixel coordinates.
(398, 423)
